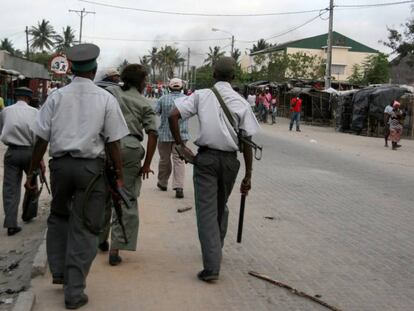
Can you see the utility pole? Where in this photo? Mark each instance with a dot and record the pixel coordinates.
(81, 14)
(27, 43)
(232, 45)
(329, 48)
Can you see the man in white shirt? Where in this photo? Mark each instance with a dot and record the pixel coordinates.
(78, 121)
(251, 98)
(216, 164)
(15, 122)
(387, 114)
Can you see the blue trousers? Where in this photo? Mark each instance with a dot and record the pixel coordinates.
(295, 117)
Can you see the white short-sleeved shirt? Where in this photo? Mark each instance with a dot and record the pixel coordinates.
(78, 119)
(215, 130)
(251, 99)
(388, 109)
(15, 124)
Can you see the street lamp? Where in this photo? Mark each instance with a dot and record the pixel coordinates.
(232, 37)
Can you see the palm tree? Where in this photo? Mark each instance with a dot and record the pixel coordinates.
(260, 45)
(7, 45)
(236, 55)
(66, 40)
(154, 61)
(213, 56)
(145, 61)
(169, 58)
(123, 65)
(43, 36)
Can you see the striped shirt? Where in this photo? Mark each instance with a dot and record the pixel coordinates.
(163, 107)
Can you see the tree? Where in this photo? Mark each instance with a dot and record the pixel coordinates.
(43, 36)
(357, 76)
(169, 59)
(145, 61)
(260, 45)
(236, 55)
(376, 69)
(304, 66)
(213, 56)
(66, 40)
(154, 61)
(122, 65)
(278, 64)
(205, 77)
(7, 45)
(402, 43)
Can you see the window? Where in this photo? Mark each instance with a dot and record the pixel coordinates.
(338, 69)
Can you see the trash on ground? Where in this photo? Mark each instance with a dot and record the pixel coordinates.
(184, 209)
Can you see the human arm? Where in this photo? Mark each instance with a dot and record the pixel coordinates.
(39, 150)
(248, 162)
(184, 152)
(151, 146)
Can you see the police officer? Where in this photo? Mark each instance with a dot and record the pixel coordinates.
(77, 121)
(216, 164)
(140, 117)
(15, 122)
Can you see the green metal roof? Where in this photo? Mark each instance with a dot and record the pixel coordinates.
(318, 42)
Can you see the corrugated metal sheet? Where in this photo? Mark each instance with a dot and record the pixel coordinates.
(23, 66)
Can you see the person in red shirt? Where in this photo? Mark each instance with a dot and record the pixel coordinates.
(295, 108)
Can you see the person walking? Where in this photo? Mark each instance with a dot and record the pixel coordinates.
(216, 164)
(396, 125)
(274, 105)
(166, 145)
(78, 121)
(295, 109)
(387, 113)
(139, 116)
(251, 99)
(16, 133)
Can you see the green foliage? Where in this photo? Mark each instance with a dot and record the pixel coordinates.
(376, 69)
(122, 65)
(213, 55)
(7, 45)
(260, 45)
(357, 76)
(66, 40)
(304, 66)
(236, 55)
(402, 43)
(204, 77)
(43, 36)
(41, 58)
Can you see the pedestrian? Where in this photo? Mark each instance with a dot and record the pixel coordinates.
(260, 106)
(274, 105)
(110, 77)
(78, 121)
(216, 164)
(16, 133)
(267, 104)
(251, 99)
(140, 117)
(387, 113)
(166, 145)
(295, 109)
(396, 125)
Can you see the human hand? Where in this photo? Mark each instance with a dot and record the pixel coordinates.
(28, 184)
(245, 185)
(185, 153)
(145, 171)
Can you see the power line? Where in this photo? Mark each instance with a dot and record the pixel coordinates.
(196, 13)
(289, 30)
(156, 40)
(373, 5)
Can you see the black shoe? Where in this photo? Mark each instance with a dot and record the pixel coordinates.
(298, 130)
(290, 129)
(104, 246)
(76, 305)
(58, 279)
(162, 188)
(179, 193)
(207, 276)
(13, 231)
(114, 259)
(398, 146)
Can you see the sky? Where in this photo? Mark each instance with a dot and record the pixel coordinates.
(116, 31)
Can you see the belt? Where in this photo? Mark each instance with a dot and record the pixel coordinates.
(136, 136)
(211, 150)
(11, 146)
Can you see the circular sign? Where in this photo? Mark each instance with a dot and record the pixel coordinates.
(59, 64)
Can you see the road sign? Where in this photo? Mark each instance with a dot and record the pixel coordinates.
(59, 64)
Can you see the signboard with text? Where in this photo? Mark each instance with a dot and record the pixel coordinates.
(59, 64)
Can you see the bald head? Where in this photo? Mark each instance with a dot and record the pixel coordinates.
(224, 69)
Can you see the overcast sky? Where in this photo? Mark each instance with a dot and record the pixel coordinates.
(367, 26)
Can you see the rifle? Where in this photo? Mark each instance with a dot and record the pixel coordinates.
(248, 141)
(118, 194)
(31, 199)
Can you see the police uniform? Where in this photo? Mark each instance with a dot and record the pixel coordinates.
(77, 120)
(139, 117)
(216, 164)
(15, 122)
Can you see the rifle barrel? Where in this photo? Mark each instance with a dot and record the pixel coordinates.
(241, 218)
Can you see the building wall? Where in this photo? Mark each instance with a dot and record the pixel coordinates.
(342, 59)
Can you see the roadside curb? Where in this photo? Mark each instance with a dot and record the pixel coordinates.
(40, 260)
(27, 299)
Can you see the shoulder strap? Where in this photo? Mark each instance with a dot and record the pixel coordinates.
(224, 107)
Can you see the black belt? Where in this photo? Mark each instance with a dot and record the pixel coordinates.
(211, 150)
(136, 136)
(19, 147)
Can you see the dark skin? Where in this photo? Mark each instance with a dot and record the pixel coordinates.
(151, 143)
(187, 153)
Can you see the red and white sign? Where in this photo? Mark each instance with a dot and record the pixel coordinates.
(59, 64)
